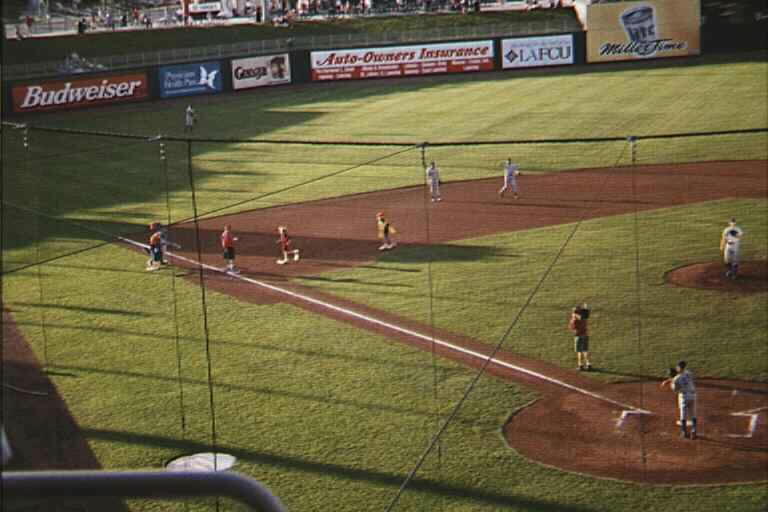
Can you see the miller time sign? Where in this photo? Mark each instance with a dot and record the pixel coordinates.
(641, 30)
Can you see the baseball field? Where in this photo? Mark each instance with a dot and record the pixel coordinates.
(334, 378)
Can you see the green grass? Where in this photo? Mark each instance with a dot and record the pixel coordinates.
(102, 44)
(480, 298)
(331, 417)
(327, 416)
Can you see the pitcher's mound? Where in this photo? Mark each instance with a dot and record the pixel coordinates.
(752, 278)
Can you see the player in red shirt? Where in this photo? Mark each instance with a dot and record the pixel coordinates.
(285, 246)
(228, 245)
(578, 326)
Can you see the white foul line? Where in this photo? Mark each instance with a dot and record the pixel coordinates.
(753, 415)
(397, 328)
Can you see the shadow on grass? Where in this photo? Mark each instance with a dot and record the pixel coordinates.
(291, 463)
(635, 377)
(80, 309)
(250, 346)
(306, 397)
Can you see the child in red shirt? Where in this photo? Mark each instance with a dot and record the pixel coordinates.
(285, 246)
(228, 245)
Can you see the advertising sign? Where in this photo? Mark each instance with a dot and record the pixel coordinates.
(641, 30)
(529, 52)
(190, 79)
(261, 71)
(203, 7)
(80, 92)
(394, 61)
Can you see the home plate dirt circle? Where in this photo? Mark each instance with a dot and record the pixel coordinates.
(752, 278)
(573, 432)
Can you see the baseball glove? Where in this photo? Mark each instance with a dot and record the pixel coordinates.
(671, 373)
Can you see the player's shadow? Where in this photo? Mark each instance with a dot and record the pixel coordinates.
(636, 377)
(419, 253)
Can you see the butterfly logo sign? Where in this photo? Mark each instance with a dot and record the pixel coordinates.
(207, 78)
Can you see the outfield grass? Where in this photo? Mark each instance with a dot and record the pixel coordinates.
(331, 417)
(103, 44)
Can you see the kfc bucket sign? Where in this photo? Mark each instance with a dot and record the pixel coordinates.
(80, 93)
(398, 61)
(261, 71)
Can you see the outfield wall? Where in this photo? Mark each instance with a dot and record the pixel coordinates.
(502, 54)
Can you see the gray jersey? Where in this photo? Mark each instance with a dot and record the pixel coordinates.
(510, 172)
(684, 385)
(433, 174)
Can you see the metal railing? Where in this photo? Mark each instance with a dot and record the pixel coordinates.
(34, 485)
(265, 46)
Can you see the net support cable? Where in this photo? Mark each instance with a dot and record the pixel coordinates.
(393, 143)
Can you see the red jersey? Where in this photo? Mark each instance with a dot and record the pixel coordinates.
(155, 238)
(227, 240)
(285, 241)
(578, 326)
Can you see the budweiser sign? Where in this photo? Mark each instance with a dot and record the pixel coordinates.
(79, 93)
(394, 61)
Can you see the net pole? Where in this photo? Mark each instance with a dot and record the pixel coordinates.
(204, 307)
(38, 239)
(430, 285)
(175, 308)
(632, 140)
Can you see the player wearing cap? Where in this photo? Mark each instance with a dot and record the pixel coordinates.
(155, 247)
(285, 246)
(433, 181)
(511, 172)
(730, 246)
(385, 231)
(578, 326)
(190, 118)
(228, 245)
(681, 382)
(165, 242)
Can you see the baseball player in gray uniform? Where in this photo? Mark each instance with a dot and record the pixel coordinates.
(433, 181)
(730, 246)
(511, 172)
(190, 118)
(683, 385)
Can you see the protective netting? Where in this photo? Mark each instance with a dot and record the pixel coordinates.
(175, 372)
